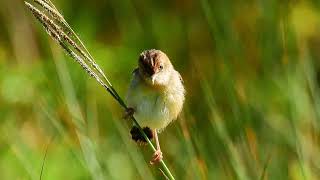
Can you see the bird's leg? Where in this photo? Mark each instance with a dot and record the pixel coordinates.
(157, 156)
(128, 113)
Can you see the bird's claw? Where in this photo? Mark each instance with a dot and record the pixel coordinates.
(128, 113)
(157, 157)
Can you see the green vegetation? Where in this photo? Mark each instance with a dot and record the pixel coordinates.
(251, 70)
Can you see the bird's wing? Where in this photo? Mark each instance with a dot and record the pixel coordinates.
(133, 85)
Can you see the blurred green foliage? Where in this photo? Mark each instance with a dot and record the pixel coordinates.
(251, 70)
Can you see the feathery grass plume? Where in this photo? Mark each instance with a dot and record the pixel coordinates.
(58, 17)
(58, 35)
(66, 42)
(43, 19)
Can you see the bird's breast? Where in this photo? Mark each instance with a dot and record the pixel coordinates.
(151, 109)
(156, 108)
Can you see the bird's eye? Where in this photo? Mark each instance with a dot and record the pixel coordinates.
(160, 67)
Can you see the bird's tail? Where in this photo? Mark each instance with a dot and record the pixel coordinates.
(138, 137)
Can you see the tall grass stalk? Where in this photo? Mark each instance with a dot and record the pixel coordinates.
(62, 33)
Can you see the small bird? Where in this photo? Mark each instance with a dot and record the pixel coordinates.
(155, 96)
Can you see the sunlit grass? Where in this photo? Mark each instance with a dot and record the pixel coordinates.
(250, 70)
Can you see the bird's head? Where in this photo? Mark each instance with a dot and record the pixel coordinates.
(155, 67)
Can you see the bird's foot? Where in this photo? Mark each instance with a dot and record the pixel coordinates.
(128, 113)
(157, 157)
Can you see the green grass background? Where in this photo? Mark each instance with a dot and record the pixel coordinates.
(251, 70)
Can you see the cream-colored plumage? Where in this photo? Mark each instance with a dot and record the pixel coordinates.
(157, 97)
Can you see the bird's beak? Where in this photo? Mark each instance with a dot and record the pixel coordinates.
(153, 79)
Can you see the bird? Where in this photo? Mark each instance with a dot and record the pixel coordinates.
(155, 97)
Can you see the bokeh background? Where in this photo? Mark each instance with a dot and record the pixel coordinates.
(251, 70)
